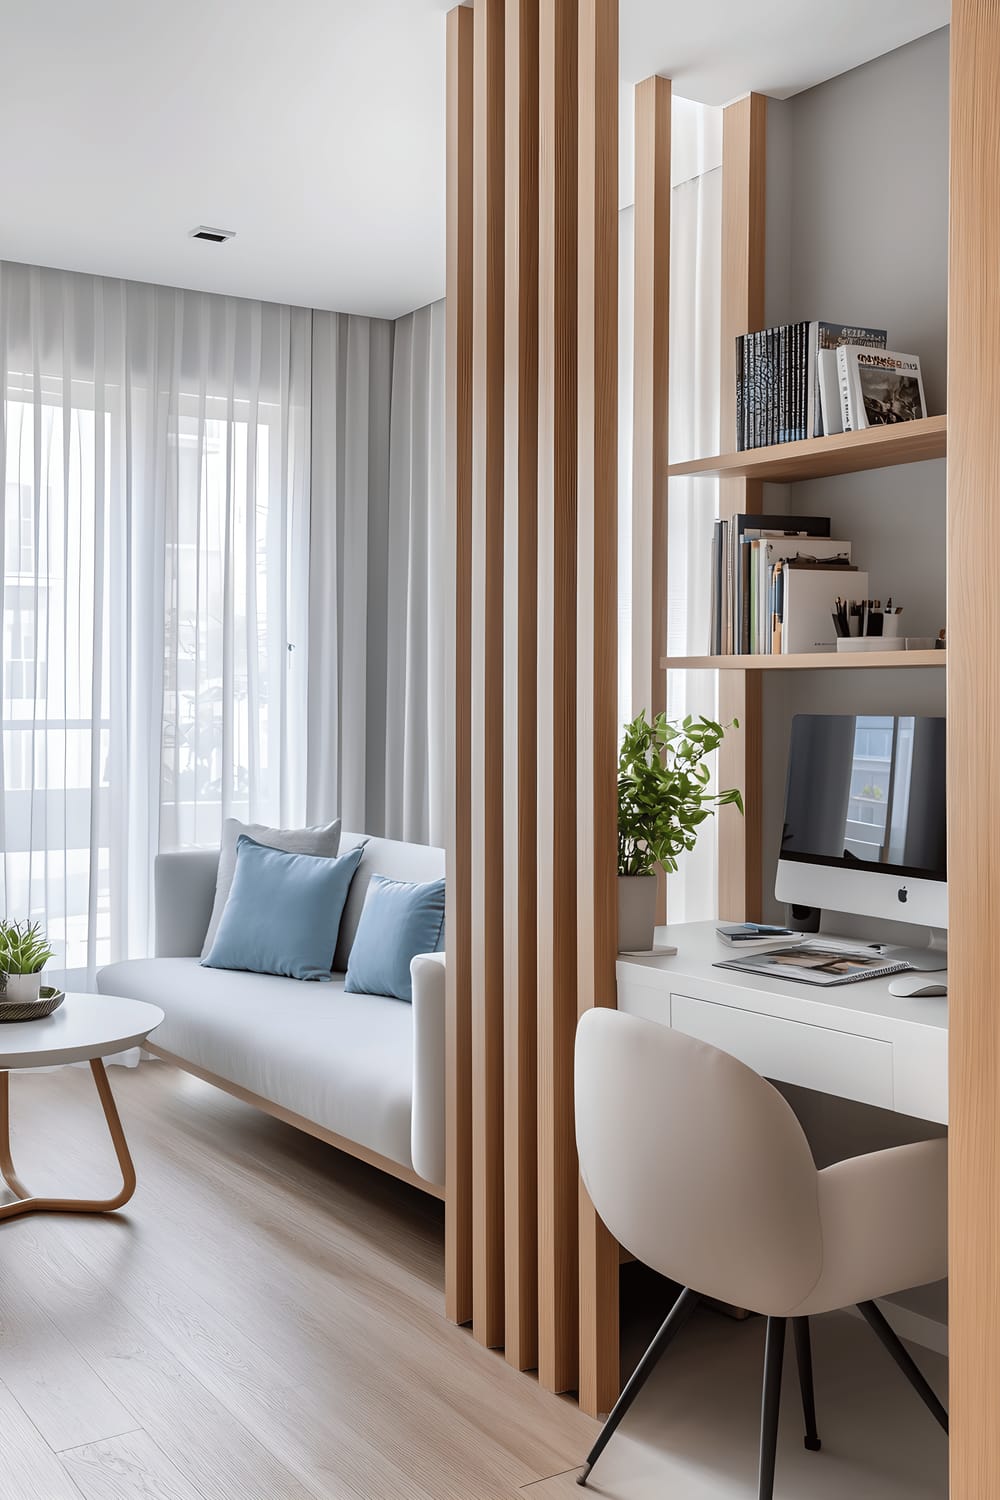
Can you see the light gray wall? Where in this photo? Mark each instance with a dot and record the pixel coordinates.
(857, 217)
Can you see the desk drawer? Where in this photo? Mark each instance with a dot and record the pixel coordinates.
(835, 1062)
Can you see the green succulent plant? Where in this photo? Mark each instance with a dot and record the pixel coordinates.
(24, 948)
(663, 795)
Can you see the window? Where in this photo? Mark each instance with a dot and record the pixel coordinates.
(19, 528)
(55, 730)
(224, 646)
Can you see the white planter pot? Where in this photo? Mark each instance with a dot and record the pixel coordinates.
(22, 987)
(636, 913)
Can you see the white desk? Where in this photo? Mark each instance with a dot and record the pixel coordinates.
(854, 1040)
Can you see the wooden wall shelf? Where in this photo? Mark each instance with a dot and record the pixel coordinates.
(806, 661)
(817, 458)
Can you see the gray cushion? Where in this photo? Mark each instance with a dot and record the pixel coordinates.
(324, 841)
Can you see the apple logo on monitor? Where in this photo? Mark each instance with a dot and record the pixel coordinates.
(902, 894)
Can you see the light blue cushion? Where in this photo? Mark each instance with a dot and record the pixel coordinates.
(400, 919)
(283, 912)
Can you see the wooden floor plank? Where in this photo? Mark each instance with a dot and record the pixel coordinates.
(126, 1468)
(28, 1467)
(62, 1396)
(299, 1292)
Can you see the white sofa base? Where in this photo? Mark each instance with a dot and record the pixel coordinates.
(309, 1127)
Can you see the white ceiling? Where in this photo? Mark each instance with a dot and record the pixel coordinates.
(717, 50)
(315, 128)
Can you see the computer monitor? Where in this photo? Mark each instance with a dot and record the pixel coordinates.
(864, 828)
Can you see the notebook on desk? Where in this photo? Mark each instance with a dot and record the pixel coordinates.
(816, 963)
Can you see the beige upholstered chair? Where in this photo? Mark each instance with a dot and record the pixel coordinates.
(699, 1167)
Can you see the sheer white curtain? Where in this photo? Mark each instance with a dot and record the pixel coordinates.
(377, 587)
(222, 586)
(155, 455)
(695, 282)
(419, 589)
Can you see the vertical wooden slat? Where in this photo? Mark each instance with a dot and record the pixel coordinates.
(520, 685)
(556, 847)
(458, 315)
(973, 730)
(487, 671)
(650, 407)
(597, 635)
(744, 161)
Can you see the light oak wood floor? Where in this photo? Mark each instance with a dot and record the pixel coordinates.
(262, 1322)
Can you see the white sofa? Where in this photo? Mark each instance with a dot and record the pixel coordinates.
(364, 1072)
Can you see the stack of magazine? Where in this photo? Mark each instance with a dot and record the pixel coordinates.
(817, 962)
(775, 581)
(878, 387)
(802, 380)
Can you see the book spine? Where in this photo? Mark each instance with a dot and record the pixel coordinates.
(845, 389)
(750, 376)
(713, 636)
(786, 364)
(814, 426)
(779, 576)
(762, 392)
(793, 422)
(726, 642)
(740, 443)
(733, 646)
(753, 549)
(803, 425)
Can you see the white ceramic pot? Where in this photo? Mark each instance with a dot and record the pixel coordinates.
(22, 987)
(636, 913)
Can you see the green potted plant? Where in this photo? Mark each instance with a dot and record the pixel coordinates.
(24, 952)
(663, 798)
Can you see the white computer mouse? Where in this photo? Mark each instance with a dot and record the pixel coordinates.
(916, 986)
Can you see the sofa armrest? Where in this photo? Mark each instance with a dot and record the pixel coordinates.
(427, 1125)
(185, 893)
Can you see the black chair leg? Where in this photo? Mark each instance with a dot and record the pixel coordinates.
(674, 1322)
(774, 1354)
(876, 1320)
(804, 1359)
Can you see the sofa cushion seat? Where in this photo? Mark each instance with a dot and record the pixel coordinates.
(342, 1061)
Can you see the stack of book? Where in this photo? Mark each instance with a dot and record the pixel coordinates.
(802, 380)
(775, 583)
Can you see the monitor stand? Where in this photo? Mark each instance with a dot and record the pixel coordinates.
(931, 959)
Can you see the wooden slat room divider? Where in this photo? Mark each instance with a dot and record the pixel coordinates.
(533, 297)
(458, 483)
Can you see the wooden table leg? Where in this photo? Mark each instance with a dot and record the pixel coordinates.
(7, 1171)
(25, 1203)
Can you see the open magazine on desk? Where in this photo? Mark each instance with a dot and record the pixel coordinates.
(816, 962)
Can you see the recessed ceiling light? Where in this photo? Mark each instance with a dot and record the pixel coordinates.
(204, 232)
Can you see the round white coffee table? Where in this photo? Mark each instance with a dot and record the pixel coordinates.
(85, 1028)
